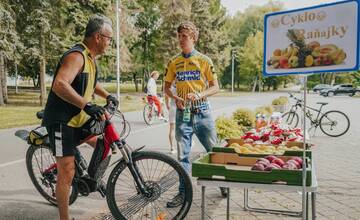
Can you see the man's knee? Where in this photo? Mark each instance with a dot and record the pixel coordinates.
(66, 169)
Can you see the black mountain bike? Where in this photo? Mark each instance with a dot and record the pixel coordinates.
(139, 186)
(333, 123)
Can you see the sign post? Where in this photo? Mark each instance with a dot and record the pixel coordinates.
(317, 39)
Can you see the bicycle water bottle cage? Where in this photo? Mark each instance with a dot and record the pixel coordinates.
(37, 136)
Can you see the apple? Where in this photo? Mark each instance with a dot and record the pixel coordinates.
(278, 161)
(274, 165)
(298, 159)
(284, 63)
(270, 158)
(258, 167)
(297, 164)
(289, 166)
(264, 160)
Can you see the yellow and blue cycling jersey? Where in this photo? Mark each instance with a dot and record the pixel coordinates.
(192, 72)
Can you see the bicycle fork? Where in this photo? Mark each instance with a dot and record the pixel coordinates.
(132, 167)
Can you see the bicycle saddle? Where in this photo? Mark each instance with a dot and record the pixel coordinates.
(322, 103)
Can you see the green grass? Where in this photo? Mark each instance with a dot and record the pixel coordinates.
(15, 116)
(22, 108)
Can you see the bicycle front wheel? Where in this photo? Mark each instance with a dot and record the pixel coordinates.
(148, 114)
(334, 123)
(161, 176)
(291, 119)
(42, 169)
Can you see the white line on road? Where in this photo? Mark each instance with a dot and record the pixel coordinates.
(12, 163)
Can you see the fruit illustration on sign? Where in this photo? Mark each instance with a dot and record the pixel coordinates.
(299, 54)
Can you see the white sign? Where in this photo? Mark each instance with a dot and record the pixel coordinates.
(312, 40)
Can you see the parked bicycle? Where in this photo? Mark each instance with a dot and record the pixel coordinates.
(333, 123)
(139, 185)
(150, 112)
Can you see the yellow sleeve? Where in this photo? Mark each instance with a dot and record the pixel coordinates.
(170, 72)
(210, 72)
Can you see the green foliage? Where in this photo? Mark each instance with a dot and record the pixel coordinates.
(227, 128)
(244, 117)
(282, 100)
(264, 110)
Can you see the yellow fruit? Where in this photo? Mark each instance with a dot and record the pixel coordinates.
(247, 145)
(309, 60)
(277, 52)
(234, 145)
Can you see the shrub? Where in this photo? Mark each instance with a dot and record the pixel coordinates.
(227, 128)
(264, 110)
(282, 100)
(244, 117)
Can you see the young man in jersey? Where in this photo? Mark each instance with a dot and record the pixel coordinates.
(69, 106)
(195, 79)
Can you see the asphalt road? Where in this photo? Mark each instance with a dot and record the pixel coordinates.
(20, 200)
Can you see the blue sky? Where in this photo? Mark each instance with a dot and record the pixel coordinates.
(233, 6)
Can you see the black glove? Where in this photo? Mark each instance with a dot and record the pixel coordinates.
(113, 100)
(94, 110)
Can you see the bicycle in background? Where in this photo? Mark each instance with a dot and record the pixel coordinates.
(150, 112)
(333, 123)
(139, 186)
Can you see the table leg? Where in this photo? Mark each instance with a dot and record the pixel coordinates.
(313, 205)
(307, 206)
(203, 202)
(228, 204)
(246, 199)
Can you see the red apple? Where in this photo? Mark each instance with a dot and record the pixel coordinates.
(298, 159)
(264, 160)
(258, 167)
(284, 63)
(270, 158)
(289, 166)
(278, 161)
(297, 164)
(274, 165)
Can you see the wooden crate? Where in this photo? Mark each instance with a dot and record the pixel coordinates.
(232, 167)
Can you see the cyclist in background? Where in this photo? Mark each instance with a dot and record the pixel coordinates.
(152, 93)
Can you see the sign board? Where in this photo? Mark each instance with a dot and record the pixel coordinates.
(317, 39)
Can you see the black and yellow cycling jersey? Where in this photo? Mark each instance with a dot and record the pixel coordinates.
(58, 110)
(192, 72)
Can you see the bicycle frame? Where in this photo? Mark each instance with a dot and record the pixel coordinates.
(314, 122)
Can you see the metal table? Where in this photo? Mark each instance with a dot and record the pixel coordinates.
(275, 187)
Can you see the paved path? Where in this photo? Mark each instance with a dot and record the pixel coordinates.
(337, 165)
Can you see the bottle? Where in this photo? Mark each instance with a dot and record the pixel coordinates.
(187, 112)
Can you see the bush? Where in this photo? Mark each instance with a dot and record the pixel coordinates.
(227, 128)
(282, 100)
(244, 117)
(264, 110)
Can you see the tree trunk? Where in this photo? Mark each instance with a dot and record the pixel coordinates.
(42, 73)
(135, 82)
(254, 86)
(4, 83)
(1, 73)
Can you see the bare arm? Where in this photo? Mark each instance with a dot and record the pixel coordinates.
(100, 91)
(71, 66)
(179, 101)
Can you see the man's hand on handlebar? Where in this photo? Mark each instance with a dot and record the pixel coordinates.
(95, 111)
(113, 100)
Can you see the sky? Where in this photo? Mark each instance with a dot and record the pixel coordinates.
(232, 6)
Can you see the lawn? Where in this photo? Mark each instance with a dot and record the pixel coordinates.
(22, 108)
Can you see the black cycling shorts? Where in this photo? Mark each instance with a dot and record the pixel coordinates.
(64, 139)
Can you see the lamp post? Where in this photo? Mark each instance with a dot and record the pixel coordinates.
(233, 55)
(117, 52)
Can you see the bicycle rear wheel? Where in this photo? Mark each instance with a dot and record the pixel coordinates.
(41, 166)
(334, 123)
(148, 114)
(291, 119)
(161, 175)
